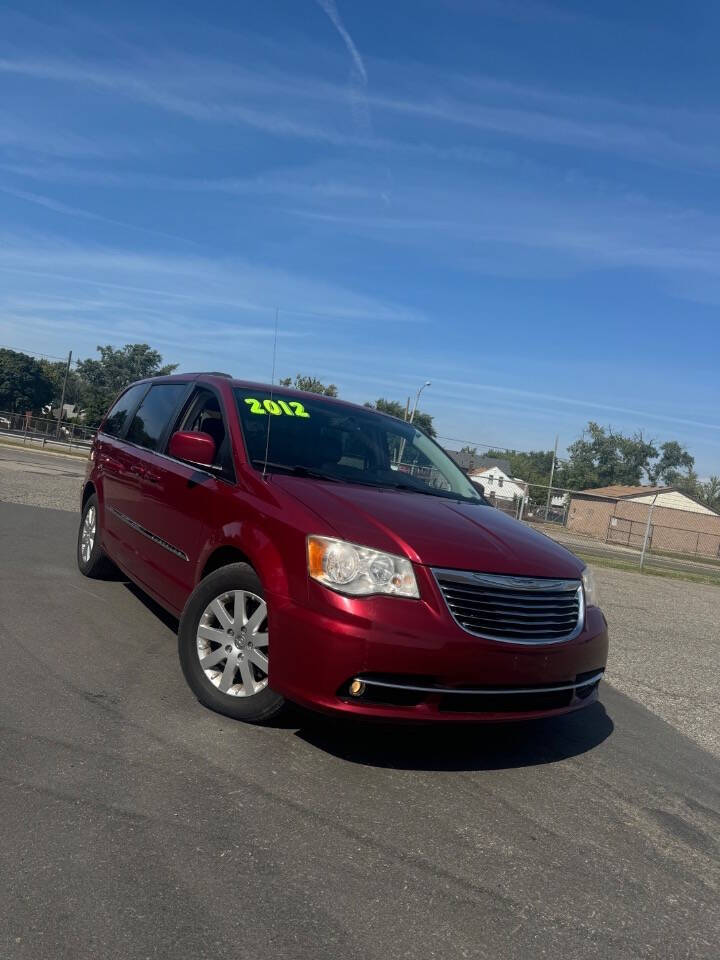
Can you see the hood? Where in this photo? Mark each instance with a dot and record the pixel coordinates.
(432, 530)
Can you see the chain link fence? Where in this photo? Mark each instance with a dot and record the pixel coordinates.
(45, 431)
(661, 530)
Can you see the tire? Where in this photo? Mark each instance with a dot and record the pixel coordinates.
(91, 562)
(232, 679)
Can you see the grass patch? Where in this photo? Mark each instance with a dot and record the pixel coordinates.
(669, 574)
(37, 448)
(699, 557)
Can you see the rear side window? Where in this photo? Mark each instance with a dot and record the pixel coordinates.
(116, 420)
(154, 413)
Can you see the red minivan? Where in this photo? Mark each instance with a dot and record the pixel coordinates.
(329, 555)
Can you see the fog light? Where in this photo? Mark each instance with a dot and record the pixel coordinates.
(357, 688)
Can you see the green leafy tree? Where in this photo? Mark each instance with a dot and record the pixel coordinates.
(310, 385)
(55, 372)
(601, 457)
(709, 493)
(688, 483)
(673, 460)
(24, 384)
(397, 409)
(103, 379)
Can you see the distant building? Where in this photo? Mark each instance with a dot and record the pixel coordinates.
(619, 514)
(470, 462)
(71, 411)
(669, 497)
(498, 485)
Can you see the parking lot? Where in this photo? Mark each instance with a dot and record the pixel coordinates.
(135, 823)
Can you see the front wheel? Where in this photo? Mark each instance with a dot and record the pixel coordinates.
(224, 645)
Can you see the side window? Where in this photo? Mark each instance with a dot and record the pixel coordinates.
(203, 413)
(116, 419)
(154, 413)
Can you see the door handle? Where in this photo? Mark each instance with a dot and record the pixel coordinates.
(151, 477)
(138, 471)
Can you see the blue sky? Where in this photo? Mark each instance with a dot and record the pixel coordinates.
(516, 200)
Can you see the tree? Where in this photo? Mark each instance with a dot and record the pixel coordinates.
(667, 469)
(534, 467)
(310, 385)
(397, 409)
(467, 449)
(103, 379)
(55, 372)
(689, 483)
(24, 385)
(709, 493)
(601, 457)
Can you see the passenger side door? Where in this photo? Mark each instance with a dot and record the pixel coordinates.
(180, 499)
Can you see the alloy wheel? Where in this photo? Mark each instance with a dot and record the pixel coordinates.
(87, 536)
(232, 643)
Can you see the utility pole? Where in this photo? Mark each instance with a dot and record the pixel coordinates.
(407, 408)
(62, 396)
(647, 532)
(552, 474)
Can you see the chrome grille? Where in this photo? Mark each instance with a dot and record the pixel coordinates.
(513, 609)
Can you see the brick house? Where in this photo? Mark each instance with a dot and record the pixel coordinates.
(619, 514)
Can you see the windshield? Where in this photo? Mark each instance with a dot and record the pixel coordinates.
(317, 438)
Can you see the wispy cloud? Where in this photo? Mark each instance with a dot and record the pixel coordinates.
(585, 403)
(306, 107)
(174, 283)
(67, 210)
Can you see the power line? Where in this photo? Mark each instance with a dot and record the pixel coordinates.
(478, 443)
(36, 353)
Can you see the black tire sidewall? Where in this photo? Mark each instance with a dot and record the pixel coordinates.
(97, 564)
(259, 708)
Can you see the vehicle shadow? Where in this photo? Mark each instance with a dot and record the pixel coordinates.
(166, 618)
(440, 747)
(447, 747)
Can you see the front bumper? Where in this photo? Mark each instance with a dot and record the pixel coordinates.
(395, 645)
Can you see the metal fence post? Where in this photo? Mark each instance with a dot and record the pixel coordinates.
(552, 474)
(647, 532)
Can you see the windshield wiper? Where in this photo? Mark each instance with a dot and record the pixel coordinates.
(443, 494)
(297, 470)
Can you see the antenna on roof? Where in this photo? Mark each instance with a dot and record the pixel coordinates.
(272, 384)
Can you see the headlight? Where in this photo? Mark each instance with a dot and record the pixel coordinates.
(359, 571)
(590, 588)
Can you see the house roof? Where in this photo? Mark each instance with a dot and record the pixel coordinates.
(474, 462)
(481, 471)
(622, 491)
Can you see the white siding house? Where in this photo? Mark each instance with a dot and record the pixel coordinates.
(498, 483)
(676, 501)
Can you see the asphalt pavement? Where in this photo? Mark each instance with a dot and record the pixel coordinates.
(40, 478)
(134, 823)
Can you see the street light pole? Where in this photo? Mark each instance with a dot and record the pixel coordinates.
(417, 398)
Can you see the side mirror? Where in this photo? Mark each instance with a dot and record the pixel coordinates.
(193, 446)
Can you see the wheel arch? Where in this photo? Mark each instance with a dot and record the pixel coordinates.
(88, 491)
(246, 544)
(223, 556)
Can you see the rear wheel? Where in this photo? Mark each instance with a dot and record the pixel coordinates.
(224, 645)
(91, 560)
